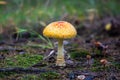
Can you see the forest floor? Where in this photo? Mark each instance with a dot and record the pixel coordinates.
(25, 59)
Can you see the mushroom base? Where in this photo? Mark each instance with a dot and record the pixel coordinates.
(60, 61)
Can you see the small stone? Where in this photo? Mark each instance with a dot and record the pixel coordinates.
(81, 77)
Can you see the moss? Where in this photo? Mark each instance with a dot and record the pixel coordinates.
(42, 76)
(96, 63)
(76, 54)
(50, 75)
(4, 74)
(116, 65)
(95, 69)
(23, 60)
(31, 77)
(98, 51)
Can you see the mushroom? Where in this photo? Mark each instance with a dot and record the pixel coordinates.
(104, 62)
(88, 59)
(60, 30)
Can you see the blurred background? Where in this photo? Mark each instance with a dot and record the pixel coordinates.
(29, 14)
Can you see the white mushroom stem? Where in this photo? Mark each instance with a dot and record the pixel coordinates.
(60, 55)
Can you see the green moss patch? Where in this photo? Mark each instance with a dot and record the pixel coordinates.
(23, 60)
(78, 53)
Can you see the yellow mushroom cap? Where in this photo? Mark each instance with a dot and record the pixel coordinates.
(60, 30)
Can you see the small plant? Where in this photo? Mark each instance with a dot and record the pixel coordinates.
(19, 31)
(49, 44)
